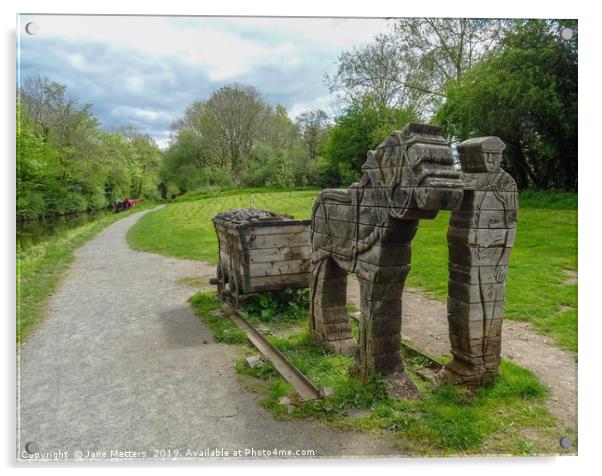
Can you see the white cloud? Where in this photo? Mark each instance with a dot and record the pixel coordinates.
(212, 42)
(329, 32)
(134, 83)
(162, 140)
(224, 54)
(142, 114)
(77, 60)
(322, 102)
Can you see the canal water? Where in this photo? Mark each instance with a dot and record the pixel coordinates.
(32, 232)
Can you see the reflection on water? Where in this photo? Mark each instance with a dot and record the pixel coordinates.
(32, 232)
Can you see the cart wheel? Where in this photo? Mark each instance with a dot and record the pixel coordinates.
(234, 293)
(221, 281)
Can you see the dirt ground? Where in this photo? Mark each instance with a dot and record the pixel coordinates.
(424, 323)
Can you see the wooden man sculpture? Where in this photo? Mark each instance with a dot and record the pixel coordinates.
(480, 238)
(368, 230)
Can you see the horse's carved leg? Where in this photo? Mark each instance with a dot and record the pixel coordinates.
(380, 326)
(382, 273)
(329, 321)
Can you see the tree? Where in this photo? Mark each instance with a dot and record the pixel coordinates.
(525, 92)
(439, 50)
(66, 163)
(186, 163)
(362, 126)
(213, 142)
(374, 69)
(312, 127)
(116, 151)
(146, 169)
(231, 123)
(190, 121)
(410, 66)
(37, 168)
(278, 130)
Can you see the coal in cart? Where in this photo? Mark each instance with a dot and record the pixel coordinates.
(260, 251)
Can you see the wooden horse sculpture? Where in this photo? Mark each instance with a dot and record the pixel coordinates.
(368, 230)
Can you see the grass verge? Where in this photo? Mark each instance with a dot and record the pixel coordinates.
(184, 229)
(538, 289)
(40, 268)
(508, 417)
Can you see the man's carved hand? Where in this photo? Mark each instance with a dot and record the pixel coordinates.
(500, 273)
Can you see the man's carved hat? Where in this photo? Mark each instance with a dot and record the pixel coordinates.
(472, 153)
(483, 144)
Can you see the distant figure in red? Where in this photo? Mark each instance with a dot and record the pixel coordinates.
(125, 204)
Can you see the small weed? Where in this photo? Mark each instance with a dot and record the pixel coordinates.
(413, 360)
(265, 371)
(278, 306)
(525, 447)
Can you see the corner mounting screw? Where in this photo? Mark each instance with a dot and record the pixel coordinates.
(32, 28)
(32, 447)
(566, 442)
(566, 33)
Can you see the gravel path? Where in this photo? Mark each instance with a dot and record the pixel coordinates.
(122, 364)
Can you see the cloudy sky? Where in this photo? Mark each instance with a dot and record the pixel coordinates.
(144, 71)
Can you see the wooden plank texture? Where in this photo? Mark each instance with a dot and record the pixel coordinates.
(280, 253)
(277, 229)
(279, 267)
(275, 241)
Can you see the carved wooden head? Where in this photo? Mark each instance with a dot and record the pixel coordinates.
(481, 154)
(415, 167)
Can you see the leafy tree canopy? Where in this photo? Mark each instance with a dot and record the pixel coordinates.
(362, 126)
(525, 92)
(66, 163)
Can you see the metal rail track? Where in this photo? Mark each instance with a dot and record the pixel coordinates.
(434, 363)
(307, 391)
(304, 387)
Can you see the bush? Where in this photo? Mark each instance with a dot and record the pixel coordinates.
(283, 168)
(364, 124)
(72, 202)
(97, 201)
(286, 305)
(30, 205)
(549, 199)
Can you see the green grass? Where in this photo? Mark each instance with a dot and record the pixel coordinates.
(508, 417)
(184, 229)
(228, 192)
(40, 268)
(537, 287)
(224, 330)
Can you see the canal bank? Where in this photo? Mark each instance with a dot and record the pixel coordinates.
(35, 231)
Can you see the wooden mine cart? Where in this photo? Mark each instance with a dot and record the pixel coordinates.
(260, 251)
